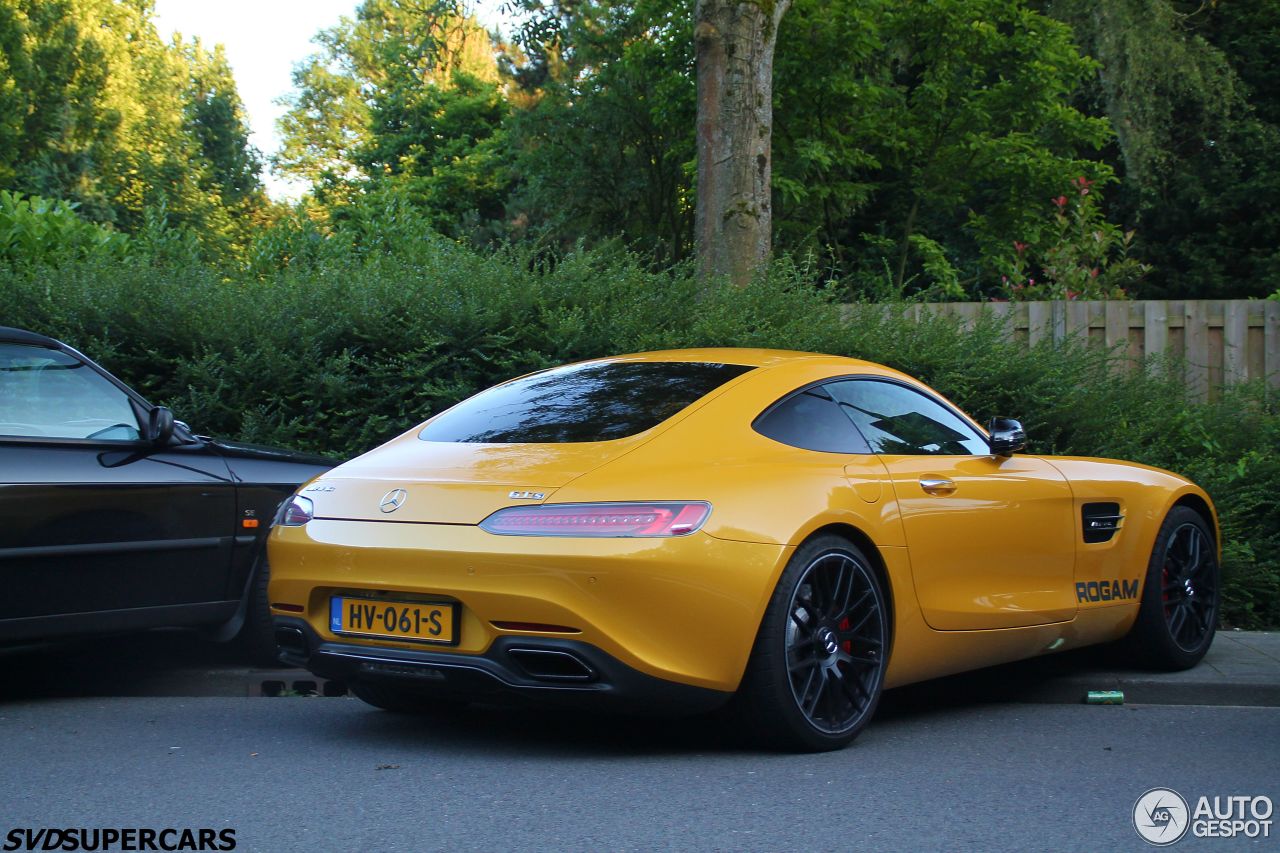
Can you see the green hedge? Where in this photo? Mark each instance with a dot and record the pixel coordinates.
(343, 353)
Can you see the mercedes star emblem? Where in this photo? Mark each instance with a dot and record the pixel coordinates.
(393, 500)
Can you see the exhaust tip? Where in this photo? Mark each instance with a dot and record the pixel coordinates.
(291, 640)
(552, 665)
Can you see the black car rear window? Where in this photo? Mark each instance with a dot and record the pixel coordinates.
(590, 402)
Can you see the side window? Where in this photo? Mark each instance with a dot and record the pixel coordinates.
(45, 393)
(811, 420)
(896, 420)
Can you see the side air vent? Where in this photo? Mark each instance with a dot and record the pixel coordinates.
(1101, 521)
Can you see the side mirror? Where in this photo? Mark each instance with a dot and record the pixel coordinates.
(159, 426)
(1007, 436)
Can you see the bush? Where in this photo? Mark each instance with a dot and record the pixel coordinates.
(337, 351)
(40, 230)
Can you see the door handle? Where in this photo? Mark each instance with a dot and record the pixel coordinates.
(937, 485)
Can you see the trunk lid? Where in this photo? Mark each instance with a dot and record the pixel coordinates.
(453, 483)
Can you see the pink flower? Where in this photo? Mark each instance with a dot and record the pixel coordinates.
(1060, 201)
(1093, 273)
(1019, 247)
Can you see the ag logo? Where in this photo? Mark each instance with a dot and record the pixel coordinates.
(1161, 816)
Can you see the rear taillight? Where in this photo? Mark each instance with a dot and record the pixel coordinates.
(296, 512)
(657, 518)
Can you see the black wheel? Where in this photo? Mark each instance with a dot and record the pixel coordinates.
(1179, 610)
(404, 700)
(256, 639)
(817, 668)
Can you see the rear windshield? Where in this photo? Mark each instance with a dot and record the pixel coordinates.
(591, 402)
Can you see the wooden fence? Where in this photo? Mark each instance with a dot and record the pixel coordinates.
(1220, 342)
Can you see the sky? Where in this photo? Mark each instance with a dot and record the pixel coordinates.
(264, 39)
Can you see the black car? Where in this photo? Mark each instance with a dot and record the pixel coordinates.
(114, 517)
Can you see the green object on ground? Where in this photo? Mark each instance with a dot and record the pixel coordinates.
(1104, 697)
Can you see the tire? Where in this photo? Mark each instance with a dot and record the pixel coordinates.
(817, 668)
(402, 700)
(257, 639)
(1179, 611)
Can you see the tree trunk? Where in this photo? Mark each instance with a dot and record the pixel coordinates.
(733, 223)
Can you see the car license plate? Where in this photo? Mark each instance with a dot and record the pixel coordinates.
(420, 621)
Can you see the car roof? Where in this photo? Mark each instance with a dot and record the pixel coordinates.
(22, 336)
(746, 356)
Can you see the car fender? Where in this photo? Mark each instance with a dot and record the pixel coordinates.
(1145, 495)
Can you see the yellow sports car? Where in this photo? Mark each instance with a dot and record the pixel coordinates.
(787, 531)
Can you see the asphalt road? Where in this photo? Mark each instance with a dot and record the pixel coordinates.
(324, 774)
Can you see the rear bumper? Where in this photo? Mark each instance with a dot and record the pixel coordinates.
(682, 610)
(545, 670)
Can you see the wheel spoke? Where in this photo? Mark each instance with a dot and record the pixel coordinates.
(1177, 621)
(858, 693)
(869, 643)
(812, 705)
(801, 662)
(808, 682)
(871, 611)
(865, 660)
(833, 606)
(1201, 614)
(846, 603)
(1193, 551)
(823, 589)
(834, 695)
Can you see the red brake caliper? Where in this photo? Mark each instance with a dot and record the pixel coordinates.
(848, 644)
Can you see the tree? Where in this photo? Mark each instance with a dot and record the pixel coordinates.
(58, 125)
(734, 43)
(403, 98)
(918, 141)
(444, 148)
(97, 110)
(1198, 161)
(326, 122)
(215, 117)
(602, 126)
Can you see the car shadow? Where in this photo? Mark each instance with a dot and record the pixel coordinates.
(175, 662)
(162, 662)
(525, 729)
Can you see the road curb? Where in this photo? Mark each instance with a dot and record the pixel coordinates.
(1153, 690)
